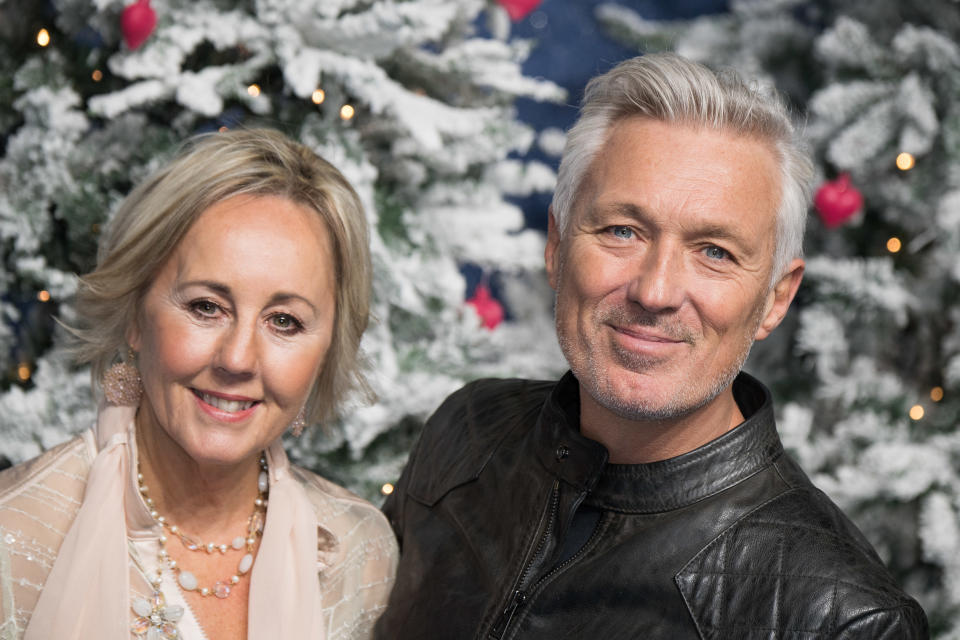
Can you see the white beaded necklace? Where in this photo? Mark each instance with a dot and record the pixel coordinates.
(154, 613)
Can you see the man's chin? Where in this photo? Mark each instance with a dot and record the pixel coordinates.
(642, 396)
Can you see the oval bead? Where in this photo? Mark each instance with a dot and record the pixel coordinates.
(238, 542)
(263, 482)
(142, 608)
(173, 613)
(245, 563)
(187, 580)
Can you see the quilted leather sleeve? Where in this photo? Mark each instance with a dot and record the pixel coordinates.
(796, 567)
(906, 622)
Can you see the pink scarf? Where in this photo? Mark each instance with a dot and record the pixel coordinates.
(87, 594)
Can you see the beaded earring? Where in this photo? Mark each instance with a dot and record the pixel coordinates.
(299, 423)
(121, 382)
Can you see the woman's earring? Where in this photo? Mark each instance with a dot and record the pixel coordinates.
(121, 383)
(299, 423)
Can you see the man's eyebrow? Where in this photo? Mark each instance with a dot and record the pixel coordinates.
(692, 229)
(626, 209)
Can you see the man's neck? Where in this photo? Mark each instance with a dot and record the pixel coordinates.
(637, 442)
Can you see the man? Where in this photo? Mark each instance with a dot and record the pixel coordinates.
(646, 494)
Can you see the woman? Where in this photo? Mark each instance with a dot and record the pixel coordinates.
(235, 285)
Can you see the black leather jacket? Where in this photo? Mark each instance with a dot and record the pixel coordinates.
(728, 541)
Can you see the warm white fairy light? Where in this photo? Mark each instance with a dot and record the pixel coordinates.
(43, 37)
(318, 96)
(905, 161)
(346, 112)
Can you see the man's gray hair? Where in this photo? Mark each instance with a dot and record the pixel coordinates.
(669, 88)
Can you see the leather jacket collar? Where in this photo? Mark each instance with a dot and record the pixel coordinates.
(656, 486)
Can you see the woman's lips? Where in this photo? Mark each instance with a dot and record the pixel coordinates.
(225, 406)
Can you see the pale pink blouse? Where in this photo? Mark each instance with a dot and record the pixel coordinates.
(77, 541)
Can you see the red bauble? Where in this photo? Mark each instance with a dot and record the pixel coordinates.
(518, 9)
(138, 21)
(837, 201)
(486, 306)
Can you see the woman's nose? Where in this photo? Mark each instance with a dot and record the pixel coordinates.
(237, 352)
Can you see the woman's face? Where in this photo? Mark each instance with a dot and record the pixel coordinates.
(233, 332)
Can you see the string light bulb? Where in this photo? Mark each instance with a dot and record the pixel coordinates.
(916, 412)
(23, 371)
(43, 37)
(346, 112)
(254, 90)
(936, 394)
(905, 161)
(894, 245)
(97, 75)
(386, 489)
(318, 96)
(43, 296)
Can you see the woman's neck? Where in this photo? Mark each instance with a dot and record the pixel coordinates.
(212, 502)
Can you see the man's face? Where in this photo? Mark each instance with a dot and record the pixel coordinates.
(663, 273)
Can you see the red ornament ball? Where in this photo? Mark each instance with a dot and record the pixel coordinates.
(487, 307)
(837, 201)
(137, 22)
(518, 9)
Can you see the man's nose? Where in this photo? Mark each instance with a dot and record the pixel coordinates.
(658, 279)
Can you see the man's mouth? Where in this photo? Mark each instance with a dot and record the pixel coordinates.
(643, 333)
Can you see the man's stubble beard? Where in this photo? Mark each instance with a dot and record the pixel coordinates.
(594, 379)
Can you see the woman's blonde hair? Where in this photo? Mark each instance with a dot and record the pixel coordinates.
(154, 218)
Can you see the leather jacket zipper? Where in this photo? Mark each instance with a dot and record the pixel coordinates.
(519, 596)
(563, 564)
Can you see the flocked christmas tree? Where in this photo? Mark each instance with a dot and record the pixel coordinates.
(403, 97)
(867, 374)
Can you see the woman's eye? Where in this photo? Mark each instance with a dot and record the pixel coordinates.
(622, 232)
(716, 253)
(285, 323)
(205, 307)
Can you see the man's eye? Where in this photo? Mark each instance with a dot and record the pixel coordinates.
(619, 231)
(716, 253)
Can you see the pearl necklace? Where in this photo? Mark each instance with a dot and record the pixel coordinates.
(186, 579)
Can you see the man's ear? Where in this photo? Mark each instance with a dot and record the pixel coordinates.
(780, 297)
(551, 253)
